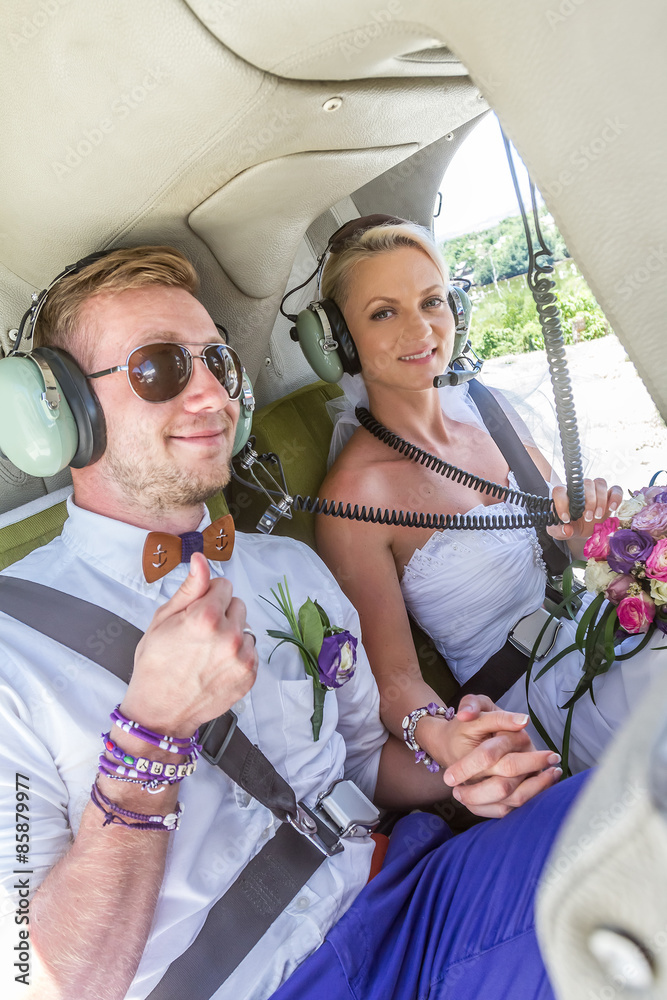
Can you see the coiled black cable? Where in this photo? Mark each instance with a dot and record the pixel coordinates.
(474, 522)
(449, 471)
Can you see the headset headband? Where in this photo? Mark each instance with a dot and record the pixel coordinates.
(336, 243)
(31, 314)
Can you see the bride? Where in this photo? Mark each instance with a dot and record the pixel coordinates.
(466, 589)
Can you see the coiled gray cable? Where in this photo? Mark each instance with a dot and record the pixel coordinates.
(542, 287)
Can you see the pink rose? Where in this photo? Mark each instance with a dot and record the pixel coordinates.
(597, 546)
(652, 518)
(618, 588)
(635, 614)
(656, 564)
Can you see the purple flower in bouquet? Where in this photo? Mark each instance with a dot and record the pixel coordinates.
(618, 588)
(337, 659)
(626, 547)
(652, 518)
(656, 564)
(635, 614)
(650, 493)
(660, 497)
(597, 546)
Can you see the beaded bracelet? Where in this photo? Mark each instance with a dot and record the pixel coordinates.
(156, 768)
(114, 814)
(174, 744)
(409, 725)
(111, 769)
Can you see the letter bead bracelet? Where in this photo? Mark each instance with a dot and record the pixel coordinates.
(154, 775)
(410, 724)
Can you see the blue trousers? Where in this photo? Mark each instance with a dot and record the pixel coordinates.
(446, 916)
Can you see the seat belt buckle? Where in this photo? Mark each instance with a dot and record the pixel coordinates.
(215, 738)
(346, 810)
(524, 634)
(316, 831)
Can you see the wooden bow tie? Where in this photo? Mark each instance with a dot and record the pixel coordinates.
(162, 551)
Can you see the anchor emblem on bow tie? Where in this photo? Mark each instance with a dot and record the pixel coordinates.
(163, 552)
(161, 556)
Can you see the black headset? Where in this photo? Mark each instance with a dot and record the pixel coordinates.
(49, 415)
(323, 335)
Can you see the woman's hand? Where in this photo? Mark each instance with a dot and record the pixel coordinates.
(601, 501)
(491, 763)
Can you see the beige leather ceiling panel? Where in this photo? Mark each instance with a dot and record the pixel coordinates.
(252, 208)
(301, 40)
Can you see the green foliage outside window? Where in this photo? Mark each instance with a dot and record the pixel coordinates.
(505, 318)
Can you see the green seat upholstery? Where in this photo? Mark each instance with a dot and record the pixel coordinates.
(298, 429)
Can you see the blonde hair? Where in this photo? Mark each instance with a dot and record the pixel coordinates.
(366, 243)
(117, 271)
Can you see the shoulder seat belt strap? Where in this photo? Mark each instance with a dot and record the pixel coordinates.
(237, 921)
(528, 476)
(504, 668)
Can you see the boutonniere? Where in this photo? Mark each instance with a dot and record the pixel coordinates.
(329, 653)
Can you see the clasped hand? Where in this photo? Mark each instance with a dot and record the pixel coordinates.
(496, 767)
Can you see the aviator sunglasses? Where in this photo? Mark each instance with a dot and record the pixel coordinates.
(159, 372)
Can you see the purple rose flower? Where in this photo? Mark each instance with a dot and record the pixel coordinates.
(652, 518)
(337, 659)
(618, 588)
(626, 547)
(660, 497)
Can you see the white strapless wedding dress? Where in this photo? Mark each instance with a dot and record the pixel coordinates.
(466, 589)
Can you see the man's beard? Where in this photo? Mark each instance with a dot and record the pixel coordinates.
(163, 487)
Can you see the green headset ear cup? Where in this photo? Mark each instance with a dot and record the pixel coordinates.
(326, 365)
(244, 425)
(85, 407)
(38, 441)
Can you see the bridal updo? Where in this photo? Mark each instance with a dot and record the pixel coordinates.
(347, 251)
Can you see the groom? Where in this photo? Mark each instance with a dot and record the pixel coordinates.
(121, 890)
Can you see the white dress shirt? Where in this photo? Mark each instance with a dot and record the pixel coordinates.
(54, 703)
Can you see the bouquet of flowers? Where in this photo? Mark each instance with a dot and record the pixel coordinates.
(626, 569)
(329, 653)
(627, 564)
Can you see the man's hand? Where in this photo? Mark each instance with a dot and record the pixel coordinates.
(194, 661)
(493, 766)
(600, 500)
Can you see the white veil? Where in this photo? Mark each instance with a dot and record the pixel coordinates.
(455, 401)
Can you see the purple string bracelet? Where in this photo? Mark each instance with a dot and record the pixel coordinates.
(409, 725)
(114, 814)
(174, 744)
